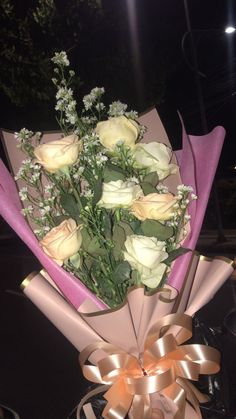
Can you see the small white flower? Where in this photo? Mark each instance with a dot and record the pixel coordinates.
(131, 115)
(100, 106)
(88, 193)
(117, 108)
(48, 188)
(27, 211)
(23, 193)
(162, 188)
(60, 58)
(184, 188)
(90, 99)
(46, 228)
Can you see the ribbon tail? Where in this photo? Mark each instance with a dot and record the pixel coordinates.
(119, 401)
(89, 412)
(177, 394)
(141, 407)
(191, 396)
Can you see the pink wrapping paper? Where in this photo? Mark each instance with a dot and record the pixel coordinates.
(198, 162)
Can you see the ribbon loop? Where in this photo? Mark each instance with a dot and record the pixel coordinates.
(164, 368)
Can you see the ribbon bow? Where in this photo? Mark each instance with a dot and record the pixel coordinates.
(164, 367)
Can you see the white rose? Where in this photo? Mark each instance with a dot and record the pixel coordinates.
(57, 154)
(117, 129)
(119, 194)
(62, 241)
(146, 254)
(156, 158)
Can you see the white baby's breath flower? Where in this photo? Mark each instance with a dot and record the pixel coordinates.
(88, 193)
(46, 228)
(23, 193)
(184, 188)
(60, 58)
(131, 115)
(193, 196)
(90, 99)
(45, 210)
(117, 108)
(48, 188)
(100, 106)
(162, 188)
(27, 211)
(35, 177)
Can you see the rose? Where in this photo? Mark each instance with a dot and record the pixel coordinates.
(145, 254)
(117, 129)
(156, 158)
(154, 206)
(63, 241)
(57, 154)
(119, 194)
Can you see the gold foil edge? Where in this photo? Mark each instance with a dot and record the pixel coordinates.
(206, 258)
(27, 280)
(227, 260)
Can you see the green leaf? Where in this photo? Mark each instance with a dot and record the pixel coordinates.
(113, 173)
(174, 254)
(151, 178)
(70, 205)
(148, 188)
(122, 272)
(152, 228)
(127, 227)
(119, 238)
(94, 248)
(86, 239)
(88, 176)
(58, 219)
(97, 192)
(75, 260)
(107, 224)
(136, 277)
(136, 226)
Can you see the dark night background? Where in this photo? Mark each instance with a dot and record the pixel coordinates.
(133, 49)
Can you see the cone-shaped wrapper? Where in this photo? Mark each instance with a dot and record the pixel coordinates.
(59, 312)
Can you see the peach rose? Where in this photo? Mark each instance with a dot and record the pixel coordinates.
(154, 206)
(62, 241)
(57, 154)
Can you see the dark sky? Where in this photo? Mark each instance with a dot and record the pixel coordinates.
(146, 36)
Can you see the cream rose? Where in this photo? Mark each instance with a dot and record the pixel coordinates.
(62, 241)
(156, 158)
(146, 254)
(119, 194)
(117, 129)
(57, 154)
(154, 206)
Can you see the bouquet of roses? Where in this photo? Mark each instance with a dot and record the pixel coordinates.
(118, 214)
(97, 196)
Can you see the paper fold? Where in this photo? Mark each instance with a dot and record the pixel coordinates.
(127, 326)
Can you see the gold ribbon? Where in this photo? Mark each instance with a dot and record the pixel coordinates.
(165, 366)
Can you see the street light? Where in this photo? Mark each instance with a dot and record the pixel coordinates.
(230, 29)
